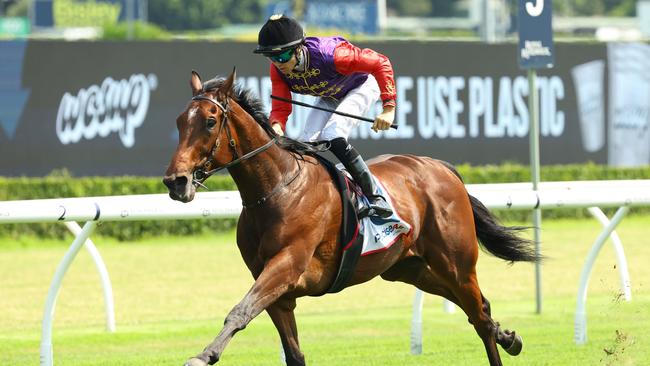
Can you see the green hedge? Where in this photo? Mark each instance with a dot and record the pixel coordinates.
(61, 184)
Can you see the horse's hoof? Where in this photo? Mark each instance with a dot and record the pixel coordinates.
(516, 346)
(195, 362)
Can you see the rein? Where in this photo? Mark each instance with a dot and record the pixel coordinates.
(275, 190)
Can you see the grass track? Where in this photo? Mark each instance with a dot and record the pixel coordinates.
(172, 294)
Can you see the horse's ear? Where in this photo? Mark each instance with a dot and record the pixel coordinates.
(228, 85)
(195, 83)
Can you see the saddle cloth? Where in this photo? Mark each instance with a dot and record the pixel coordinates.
(378, 233)
(363, 237)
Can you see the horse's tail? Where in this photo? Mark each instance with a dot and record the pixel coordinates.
(501, 241)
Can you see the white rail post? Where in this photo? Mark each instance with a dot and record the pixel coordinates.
(448, 306)
(103, 275)
(624, 274)
(580, 322)
(533, 108)
(50, 303)
(416, 323)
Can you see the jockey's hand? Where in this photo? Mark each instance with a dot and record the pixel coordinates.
(385, 119)
(278, 129)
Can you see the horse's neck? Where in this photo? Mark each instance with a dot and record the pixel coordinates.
(258, 176)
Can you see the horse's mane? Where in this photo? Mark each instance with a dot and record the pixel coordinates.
(254, 106)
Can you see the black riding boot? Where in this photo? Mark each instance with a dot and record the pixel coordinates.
(354, 163)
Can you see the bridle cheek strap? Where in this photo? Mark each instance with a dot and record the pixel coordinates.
(201, 174)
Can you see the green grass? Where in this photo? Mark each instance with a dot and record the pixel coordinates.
(172, 294)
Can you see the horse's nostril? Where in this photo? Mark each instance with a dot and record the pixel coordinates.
(173, 182)
(181, 181)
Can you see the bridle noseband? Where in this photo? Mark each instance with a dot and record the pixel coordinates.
(202, 173)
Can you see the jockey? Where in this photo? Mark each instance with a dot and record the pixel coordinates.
(344, 77)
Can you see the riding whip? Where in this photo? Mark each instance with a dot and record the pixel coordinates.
(328, 110)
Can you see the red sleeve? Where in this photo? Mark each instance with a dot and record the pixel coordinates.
(349, 59)
(280, 110)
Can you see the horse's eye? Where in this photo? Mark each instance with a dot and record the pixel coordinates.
(210, 123)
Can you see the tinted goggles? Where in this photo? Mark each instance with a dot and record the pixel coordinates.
(282, 57)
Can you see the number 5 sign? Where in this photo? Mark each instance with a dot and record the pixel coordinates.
(535, 34)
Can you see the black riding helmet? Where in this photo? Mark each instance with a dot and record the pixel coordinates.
(278, 34)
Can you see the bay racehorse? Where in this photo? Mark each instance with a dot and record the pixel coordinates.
(287, 232)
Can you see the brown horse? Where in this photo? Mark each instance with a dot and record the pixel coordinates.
(288, 229)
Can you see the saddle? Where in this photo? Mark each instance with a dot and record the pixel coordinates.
(360, 237)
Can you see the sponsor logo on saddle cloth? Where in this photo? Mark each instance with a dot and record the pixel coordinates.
(378, 233)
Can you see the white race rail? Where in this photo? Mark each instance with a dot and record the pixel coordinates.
(515, 196)
(112, 208)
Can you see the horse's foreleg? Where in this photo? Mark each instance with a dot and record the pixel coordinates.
(281, 313)
(278, 276)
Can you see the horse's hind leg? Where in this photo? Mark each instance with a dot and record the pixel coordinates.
(509, 340)
(471, 300)
(477, 309)
(416, 272)
(486, 305)
(281, 312)
(464, 293)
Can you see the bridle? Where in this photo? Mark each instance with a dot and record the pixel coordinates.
(202, 173)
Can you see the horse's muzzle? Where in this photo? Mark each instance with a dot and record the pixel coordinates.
(180, 187)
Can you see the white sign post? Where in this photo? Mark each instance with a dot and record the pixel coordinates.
(535, 51)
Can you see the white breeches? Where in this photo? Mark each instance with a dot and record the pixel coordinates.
(326, 126)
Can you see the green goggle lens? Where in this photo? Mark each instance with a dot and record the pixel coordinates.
(282, 57)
